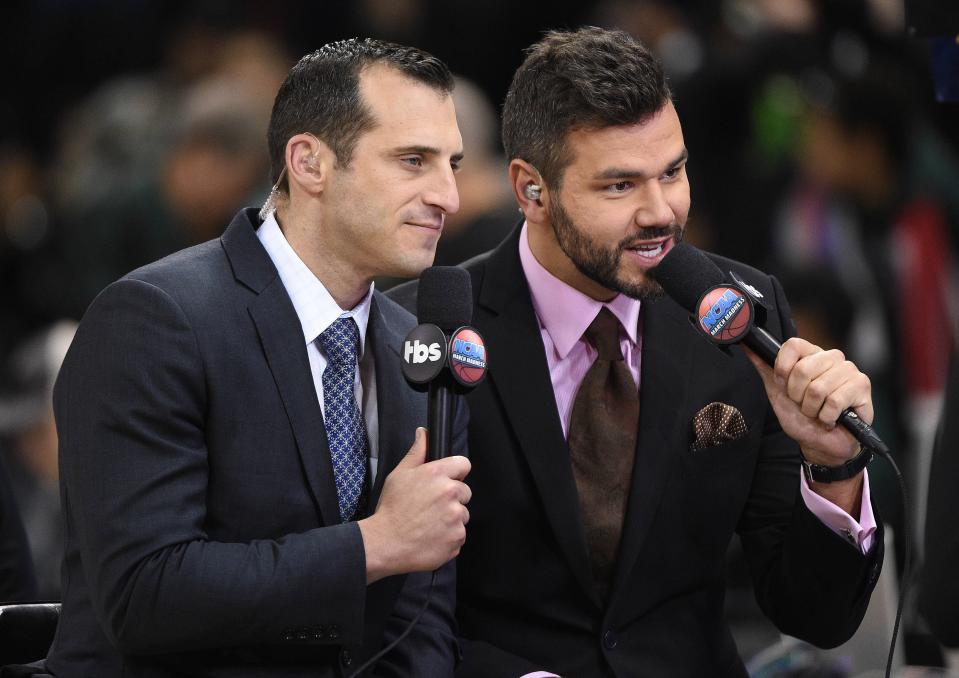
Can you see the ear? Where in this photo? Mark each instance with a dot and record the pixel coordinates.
(308, 164)
(523, 178)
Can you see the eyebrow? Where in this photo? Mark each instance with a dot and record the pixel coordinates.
(426, 150)
(626, 173)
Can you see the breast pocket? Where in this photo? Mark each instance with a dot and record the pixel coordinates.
(725, 456)
(716, 482)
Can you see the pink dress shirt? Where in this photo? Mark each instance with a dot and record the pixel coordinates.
(564, 314)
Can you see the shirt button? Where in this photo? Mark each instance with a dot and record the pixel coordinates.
(610, 641)
(850, 537)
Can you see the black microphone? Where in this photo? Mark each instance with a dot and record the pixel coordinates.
(443, 354)
(727, 310)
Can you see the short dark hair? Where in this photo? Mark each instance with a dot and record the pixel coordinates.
(589, 78)
(321, 94)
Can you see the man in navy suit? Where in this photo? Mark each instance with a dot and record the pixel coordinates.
(240, 493)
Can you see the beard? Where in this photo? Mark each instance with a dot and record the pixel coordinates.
(602, 264)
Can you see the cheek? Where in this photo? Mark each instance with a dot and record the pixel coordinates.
(679, 200)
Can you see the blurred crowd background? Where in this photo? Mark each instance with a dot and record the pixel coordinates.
(821, 150)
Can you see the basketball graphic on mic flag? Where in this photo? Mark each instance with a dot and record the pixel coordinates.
(467, 356)
(725, 314)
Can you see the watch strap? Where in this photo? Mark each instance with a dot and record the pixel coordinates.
(830, 474)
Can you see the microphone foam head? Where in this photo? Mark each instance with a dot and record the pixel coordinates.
(685, 273)
(445, 297)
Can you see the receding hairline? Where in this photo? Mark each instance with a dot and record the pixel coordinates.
(389, 68)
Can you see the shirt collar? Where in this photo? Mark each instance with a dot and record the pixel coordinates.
(564, 311)
(314, 305)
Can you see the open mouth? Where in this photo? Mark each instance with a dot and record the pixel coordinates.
(651, 251)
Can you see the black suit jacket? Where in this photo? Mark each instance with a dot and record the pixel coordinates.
(203, 534)
(939, 589)
(525, 594)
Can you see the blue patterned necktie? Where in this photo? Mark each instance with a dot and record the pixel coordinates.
(345, 428)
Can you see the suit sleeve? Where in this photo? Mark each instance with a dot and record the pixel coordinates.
(431, 649)
(130, 405)
(808, 580)
(17, 581)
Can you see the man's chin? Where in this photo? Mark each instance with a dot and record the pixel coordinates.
(644, 288)
(645, 292)
(412, 267)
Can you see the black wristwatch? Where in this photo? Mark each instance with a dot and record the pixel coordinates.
(831, 474)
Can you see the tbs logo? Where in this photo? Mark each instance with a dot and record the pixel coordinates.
(424, 353)
(416, 352)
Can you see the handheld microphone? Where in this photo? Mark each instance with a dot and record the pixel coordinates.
(728, 311)
(443, 355)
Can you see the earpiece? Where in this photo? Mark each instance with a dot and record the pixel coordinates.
(532, 191)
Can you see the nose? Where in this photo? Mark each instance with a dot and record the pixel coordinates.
(442, 191)
(654, 210)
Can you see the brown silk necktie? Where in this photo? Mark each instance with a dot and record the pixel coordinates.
(602, 445)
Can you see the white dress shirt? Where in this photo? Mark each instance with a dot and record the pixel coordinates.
(317, 310)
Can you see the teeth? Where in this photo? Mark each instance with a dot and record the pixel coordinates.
(649, 253)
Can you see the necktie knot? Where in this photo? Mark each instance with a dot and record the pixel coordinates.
(340, 342)
(603, 334)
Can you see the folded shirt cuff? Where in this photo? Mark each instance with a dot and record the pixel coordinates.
(859, 533)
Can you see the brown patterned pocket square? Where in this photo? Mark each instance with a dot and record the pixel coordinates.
(715, 424)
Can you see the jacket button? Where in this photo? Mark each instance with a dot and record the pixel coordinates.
(346, 658)
(319, 633)
(287, 635)
(302, 634)
(610, 641)
(334, 633)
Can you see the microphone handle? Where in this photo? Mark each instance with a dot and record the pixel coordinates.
(763, 344)
(439, 418)
(766, 346)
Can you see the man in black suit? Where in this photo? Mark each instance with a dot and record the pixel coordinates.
(601, 516)
(234, 424)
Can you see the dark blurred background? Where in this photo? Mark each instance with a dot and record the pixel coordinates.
(823, 139)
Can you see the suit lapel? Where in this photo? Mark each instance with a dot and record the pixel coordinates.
(395, 401)
(520, 376)
(665, 373)
(279, 330)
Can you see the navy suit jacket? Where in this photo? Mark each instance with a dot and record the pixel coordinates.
(17, 579)
(202, 529)
(526, 598)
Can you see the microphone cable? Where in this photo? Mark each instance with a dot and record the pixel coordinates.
(376, 657)
(907, 566)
